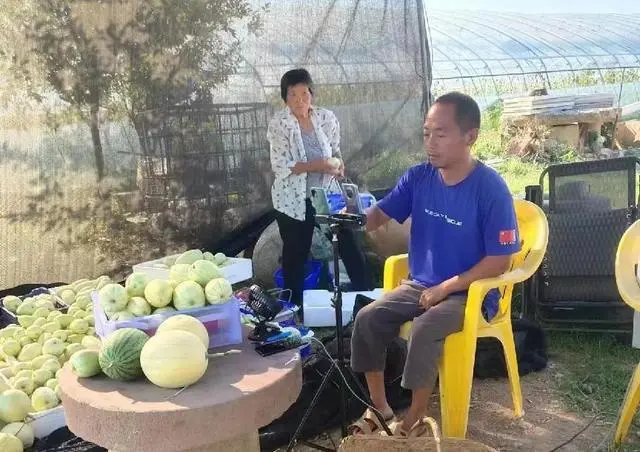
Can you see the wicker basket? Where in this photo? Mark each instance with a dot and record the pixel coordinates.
(368, 443)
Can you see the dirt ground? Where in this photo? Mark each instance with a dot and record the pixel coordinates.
(546, 425)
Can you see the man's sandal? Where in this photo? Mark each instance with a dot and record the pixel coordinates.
(369, 423)
(421, 428)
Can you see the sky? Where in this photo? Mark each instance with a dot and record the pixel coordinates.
(540, 6)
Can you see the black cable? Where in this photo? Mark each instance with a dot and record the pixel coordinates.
(575, 436)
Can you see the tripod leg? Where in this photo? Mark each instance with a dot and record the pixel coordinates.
(343, 367)
(314, 401)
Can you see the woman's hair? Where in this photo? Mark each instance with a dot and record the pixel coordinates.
(295, 77)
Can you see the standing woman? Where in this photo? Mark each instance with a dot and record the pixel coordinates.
(303, 139)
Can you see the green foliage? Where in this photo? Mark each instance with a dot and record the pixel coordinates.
(125, 55)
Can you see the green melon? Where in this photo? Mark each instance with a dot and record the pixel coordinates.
(119, 356)
(189, 257)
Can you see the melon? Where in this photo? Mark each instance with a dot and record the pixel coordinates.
(168, 261)
(85, 363)
(185, 323)
(188, 295)
(174, 359)
(14, 406)
(203, 271)
(119, 356)
(30, 352)
(219, 259)
(135, 284)
(113, 298)
(158, 293)
(24, 432)
(218, 291)
(44, 399)
(10, 443)
(189, 257)
(11, 303)
(179, 272)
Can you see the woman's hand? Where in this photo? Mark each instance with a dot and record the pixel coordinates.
(318, 166)
(337, 166)
(341, 168)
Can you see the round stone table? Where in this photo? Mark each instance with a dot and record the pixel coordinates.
(221, 412)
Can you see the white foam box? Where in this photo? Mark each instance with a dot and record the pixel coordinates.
(319, 312)
(46, 422)
(237, 270)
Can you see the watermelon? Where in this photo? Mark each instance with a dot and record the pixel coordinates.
(119, 356)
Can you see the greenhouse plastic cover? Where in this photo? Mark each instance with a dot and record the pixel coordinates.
(173, 156)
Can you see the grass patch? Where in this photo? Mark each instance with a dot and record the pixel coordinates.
(518, 174)
(595, 370)
(592, 373)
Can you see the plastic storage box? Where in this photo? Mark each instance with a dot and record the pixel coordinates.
(237, 270)
(221, 320)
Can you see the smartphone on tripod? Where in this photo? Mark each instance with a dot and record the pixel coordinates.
(351, 196)
(319, 201)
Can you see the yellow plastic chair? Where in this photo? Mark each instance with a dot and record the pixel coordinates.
(627, 282)
(456, 366)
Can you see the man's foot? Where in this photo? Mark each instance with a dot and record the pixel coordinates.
(369, 422)
(418, 429)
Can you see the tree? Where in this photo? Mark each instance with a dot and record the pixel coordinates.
(137, 54)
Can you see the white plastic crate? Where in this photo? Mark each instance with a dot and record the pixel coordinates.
(237, 270)
(319, 312)
(46, 422)
(43, 422)
(221, 320)
(8, 317)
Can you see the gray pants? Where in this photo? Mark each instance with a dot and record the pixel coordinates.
(377, 324)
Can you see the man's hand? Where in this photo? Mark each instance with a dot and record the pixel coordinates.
(432, 296)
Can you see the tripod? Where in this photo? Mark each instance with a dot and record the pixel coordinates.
(340, 365)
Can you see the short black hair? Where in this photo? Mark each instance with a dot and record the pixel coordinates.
(292, 78)
(467, 111)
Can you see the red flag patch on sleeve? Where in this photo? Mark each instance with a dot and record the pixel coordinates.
(507, 237)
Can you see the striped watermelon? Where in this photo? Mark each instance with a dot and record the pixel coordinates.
(120, 354)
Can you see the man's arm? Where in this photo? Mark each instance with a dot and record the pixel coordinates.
(397, 204)
(376, 218)
(488, 267)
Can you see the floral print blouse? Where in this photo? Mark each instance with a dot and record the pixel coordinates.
(289, 190)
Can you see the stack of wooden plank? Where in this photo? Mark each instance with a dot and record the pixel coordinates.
(593, 101)
(552, 104)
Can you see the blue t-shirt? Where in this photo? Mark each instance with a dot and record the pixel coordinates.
(454, 227)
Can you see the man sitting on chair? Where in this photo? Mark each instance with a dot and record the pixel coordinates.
(463, 229)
